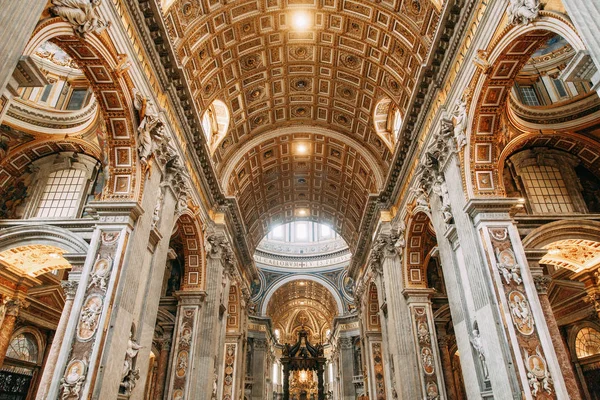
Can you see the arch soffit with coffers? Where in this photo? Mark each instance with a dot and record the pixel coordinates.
(301, 277)
(99, 61)
(236, 156)
(210, 39)
(419, 243)
(506, 56)
(193, 251)
(338, 180)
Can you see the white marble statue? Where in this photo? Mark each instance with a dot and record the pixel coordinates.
(130, 374)
(151, 127)
(459, 115)
(157, 208)
(82, 14)
(523, 11)
(477, 344)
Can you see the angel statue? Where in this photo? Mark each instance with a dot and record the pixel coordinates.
(523, 11)
(82, 14)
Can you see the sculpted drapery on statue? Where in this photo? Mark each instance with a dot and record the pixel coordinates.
(523, 11)
(151, 129)
(82, 14)
(130, 374)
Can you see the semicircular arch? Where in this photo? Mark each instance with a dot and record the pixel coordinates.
(99, 61)
(302, 277)
(505, 57)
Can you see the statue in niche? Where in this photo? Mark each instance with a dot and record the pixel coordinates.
(477, 344)
(213, 395)
(130, 374)
(174, 282)
(150, 128)
(157, 209)
(440, 187)
(523, 11)
(460, 119)
(81, 14)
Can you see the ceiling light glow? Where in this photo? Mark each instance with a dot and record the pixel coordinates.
(300, 21)
(301, 149)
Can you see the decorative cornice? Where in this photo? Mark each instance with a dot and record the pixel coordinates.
(172, 77)
(455, 17)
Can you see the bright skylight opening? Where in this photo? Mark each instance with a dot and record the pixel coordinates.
(278, 232)
(301, 231)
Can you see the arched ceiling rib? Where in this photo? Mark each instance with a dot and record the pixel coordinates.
(271, 76)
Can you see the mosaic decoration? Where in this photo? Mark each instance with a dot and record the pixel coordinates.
(229, 372)
(183, 350)
(93, 309)
(516, 301)
(378, 371)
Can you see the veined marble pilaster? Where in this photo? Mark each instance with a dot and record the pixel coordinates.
(424, 335)
(184, 343)
(78, 362)
(526, 329)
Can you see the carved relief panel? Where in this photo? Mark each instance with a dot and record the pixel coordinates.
(508, 273)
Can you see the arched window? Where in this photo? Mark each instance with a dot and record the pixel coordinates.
(215, 122)
(61, 185)
(587, 342)
(61, 194)
(23, 347)
(22, 362)
(548, 180)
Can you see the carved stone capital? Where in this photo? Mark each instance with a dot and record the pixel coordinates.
(70, 288)
(217, 246)
(13, 306)
(345, 343)
(260, 344)
(541, 283)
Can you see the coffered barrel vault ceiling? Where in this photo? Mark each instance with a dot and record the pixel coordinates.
(353, 56)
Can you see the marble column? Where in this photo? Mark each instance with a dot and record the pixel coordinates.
(386, 255)
(260, 369)
(346, 359)
(18, 20)
(425, 340)
(163, 367)
(70, 289)
(528, 335)
(179, 381)
(199, 363)
(446, 362)
(562, 354)
(585, 15)
(8, 325)
(489, 370)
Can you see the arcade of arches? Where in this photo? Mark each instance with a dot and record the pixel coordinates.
(300, 199)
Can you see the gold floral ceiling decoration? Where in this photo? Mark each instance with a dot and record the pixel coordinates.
(574, 254)
(34, 260)
(310, 64)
